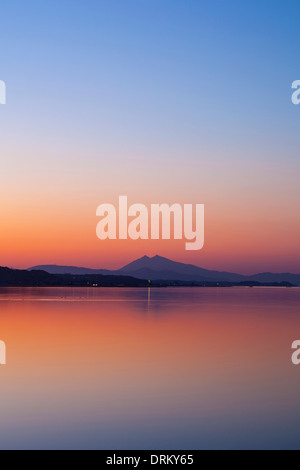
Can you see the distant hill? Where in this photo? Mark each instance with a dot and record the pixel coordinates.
(159, 268)
(16, 277)
(39, 278)
(54, 269)
(276, 277)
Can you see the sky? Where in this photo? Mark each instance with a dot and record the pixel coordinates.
(182, 101)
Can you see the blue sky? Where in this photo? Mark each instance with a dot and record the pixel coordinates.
(146, 69)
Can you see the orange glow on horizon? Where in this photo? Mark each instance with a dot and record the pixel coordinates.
(241, 234)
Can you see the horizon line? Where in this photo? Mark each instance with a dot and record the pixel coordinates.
(152, 257)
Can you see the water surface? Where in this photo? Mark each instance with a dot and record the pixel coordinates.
(173, 368)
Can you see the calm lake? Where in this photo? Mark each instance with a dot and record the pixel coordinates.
(169, 368)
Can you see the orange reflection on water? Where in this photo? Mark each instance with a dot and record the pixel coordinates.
(174, 362)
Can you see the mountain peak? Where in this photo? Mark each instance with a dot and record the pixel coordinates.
(156, 262)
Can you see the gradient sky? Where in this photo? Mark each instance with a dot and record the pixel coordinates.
(183, 101)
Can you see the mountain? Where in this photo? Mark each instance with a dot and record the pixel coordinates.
(276, 277)
(166, 269)
(53, 269)
(159, 268)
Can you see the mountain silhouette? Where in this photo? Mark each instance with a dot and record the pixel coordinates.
(158, 268)
(54, 269)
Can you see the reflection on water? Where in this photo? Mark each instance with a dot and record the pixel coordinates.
(185, 368)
